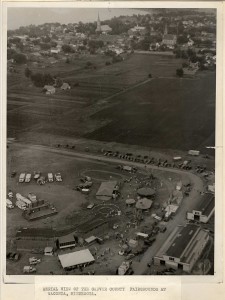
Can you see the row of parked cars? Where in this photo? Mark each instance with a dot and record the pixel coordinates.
(185, 165)
(26, 177)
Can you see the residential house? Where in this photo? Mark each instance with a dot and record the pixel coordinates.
(49, 89)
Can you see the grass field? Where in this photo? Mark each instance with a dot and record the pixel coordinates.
(165, 112)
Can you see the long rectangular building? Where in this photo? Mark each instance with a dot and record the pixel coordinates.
(182, 248)
(72, 260)
(204, 210)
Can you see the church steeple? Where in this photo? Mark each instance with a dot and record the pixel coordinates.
(98, 29)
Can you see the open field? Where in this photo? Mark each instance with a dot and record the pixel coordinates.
(163, 113)
(118, 103)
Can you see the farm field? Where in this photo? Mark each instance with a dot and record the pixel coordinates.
(164, 113)
(117, 103)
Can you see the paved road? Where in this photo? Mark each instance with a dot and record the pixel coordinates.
(180, 218)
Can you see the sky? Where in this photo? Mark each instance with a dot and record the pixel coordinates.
(26, 16)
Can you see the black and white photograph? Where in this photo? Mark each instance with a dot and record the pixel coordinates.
(111, 135)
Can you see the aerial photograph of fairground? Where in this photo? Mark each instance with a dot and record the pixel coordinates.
(110, 136)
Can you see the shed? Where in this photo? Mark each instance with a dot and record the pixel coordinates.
(66, 241)
(90, 239)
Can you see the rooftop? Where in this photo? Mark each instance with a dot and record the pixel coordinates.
(76, 258)
(144, 204)
(207, 204)
(169, 37)
(146, 192)
(106, 189)
(182, 239)
(66, 239)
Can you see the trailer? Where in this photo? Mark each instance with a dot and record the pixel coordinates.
(26, 201)
(177, 158)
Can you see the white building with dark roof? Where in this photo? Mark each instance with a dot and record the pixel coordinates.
(182, 248)
(204, 210)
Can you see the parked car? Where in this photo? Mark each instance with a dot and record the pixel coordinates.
(41, 180)
(162, 228)
(28, 177)
(150, 241)
(22, 177)
(34, 261)
(58, 177)
(37, 175)
(13, 174)
(13, 256)
(10, 194)
(17, 256)
(50, 177)
(29, 269)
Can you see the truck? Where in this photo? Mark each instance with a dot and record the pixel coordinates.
(124, 267)
(21, 205)
(22, 177)
(29, 269)
(26, 201)
(9, 204)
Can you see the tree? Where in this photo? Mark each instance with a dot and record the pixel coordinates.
(27, 72)
(67, 48)
(180, 72)
(182, 39)
(184, 65)
(58, 82)
(40, 80)
(20, 58)
(45, 46)
(10, 53)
